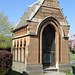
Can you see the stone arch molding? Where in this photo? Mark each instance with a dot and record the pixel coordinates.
(53, 18)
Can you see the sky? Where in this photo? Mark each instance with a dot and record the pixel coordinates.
(14, 9)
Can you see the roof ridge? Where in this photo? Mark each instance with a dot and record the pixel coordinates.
(33, 3)
(30, 13)
(34, 6)
(37, 8)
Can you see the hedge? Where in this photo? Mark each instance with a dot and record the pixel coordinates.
(5, 62)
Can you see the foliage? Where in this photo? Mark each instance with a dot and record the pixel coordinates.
(68, 73)
(69, 46)
(73, 57)
(4, 25)
(5, 42)
(73, 42)
(5, 32)
(5, 62)
(11, 72)
(73, 66)
(73, 69)
(72, 51)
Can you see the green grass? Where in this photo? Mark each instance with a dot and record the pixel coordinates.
(14, 73)
(68, 73)
(73, 57)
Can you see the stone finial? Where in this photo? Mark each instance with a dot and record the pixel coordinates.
(65, 17)
(58, 2)
(12, 27)
(61, 8)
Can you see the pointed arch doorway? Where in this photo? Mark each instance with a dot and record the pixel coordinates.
(48, 46)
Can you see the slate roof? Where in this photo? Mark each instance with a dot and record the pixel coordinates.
(28, 15)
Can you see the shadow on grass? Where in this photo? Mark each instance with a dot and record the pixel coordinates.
(24, 73)
(14, 73)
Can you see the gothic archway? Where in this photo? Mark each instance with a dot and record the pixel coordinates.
(48, 46)
(52, 24)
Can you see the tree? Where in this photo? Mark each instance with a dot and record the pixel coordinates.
(4, 25)
(5, 33)
(73, 42)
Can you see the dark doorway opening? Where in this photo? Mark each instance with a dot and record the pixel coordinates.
(48, 46)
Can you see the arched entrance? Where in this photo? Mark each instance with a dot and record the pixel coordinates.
(48, 46)
(50, 29)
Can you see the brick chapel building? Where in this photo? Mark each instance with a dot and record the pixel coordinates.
(40, 38)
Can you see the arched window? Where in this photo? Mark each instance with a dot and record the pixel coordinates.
(14, 43)
(20, 43)
(24, 42)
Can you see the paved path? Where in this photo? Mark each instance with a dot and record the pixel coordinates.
(49, 73)
(54, 73)
(72, 61)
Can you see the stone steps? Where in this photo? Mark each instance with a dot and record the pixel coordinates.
(50, 70)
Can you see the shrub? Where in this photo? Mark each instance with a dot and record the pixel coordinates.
(5, 61)
(72, 51)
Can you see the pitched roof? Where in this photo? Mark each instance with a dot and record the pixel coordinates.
(28, 15)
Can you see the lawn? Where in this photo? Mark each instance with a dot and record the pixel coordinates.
(73, 57)
(68, 73)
